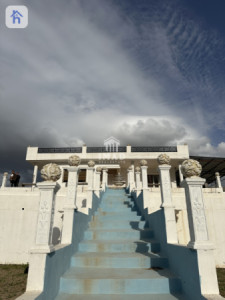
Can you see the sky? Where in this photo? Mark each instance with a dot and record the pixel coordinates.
(149, 72)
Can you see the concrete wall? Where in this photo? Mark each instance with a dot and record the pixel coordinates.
(58, 262)
(182, 261)
(18, 221)
(214, 202)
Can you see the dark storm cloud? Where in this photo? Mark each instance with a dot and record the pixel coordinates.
(83, 70)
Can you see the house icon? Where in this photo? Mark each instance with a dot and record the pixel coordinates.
(16, 15)
(111, 144)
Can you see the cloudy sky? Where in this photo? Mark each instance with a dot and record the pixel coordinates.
(149, 72)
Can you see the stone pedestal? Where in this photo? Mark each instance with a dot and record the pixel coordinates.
(34, 181)
(138, 180)
(43, 240)
(167, 205)
(132, 181)
(180, 174)
(128, 179)
(196, 213)
(4, 179)
(144, 175)
(104, 179)
(70, 205)
(97, 183)
(218, 180)
(199, 235)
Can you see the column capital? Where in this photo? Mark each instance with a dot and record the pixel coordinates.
(164, 167)
(48, 185)
(73, 169)
(193, 181)
(144, 167)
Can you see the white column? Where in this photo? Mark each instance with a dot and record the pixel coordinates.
(138, 178)
(107, 177)
(90, 178)
(218, 180)
(35, 174)
(104, 179)
(144, 174)
(128, 178)
(70, 205)
(167, 205)
(132, 181)
(4, 179)
(196, 211)
(43, 240)
(180, 174)
(198, 227)
(97, 181)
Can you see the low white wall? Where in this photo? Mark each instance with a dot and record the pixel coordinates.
(214, 202)
(18, 220)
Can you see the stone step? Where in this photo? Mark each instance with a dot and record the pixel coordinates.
(119, 260)
(117, 234)
(62, 296)
(117, 216)
(118, 213)
(122, 224)
(118, 281)
(112, 204)
(138, 246)
(116, 209)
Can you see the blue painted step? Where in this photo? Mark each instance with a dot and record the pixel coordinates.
(63, 296)
(98, 234)
(118, 258)
(138, 246)
(118, 281)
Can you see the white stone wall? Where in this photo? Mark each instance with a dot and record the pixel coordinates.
(18, 219)
(214, 202)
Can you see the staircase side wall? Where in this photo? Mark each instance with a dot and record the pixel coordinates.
(182, 261)
(58, 262)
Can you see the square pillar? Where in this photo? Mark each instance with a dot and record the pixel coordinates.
(70, 205)
(104, 179)
(34, 181)
(144, 174)
(97, 187)
(4, 179)
(198, 226)
(218, 181)
(43, 240)
(166, 196)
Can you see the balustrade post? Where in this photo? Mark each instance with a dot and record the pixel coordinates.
(199, 236)
(70, 203)
(218, 180)
(166, 195)
(144, 174)
(104, 179)
(34, 181)
(43, 240)
(4, 179)
(97, 181)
